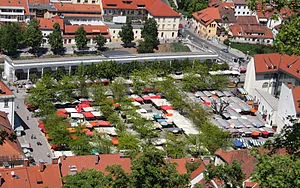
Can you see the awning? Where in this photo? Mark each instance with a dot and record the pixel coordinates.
(89, 133)
(42, 127)
(139, 99)
(88, 109)
(164, 123)
(146, 97)
(136, 103)
(237, 143)
(166, 107)
(96, 113)
(77, 115)
(115, 141)
(71, 110)
(62, 112)
(83, 105)
(88, 115)
(255, 133)
(264, 133)
(155, 97)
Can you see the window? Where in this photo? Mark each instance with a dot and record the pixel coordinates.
(208, 31)
(114, 31)
(78, 1)
(6, 103)
(162, 34)
(243, 12)
(172, 34)
(163, 26)
(70, 40)
(239, 12)
(266, 76)
(136, 32)
(248, 12)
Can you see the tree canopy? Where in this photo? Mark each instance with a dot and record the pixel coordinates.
(11, 36)
(33, 35)
(55, 39)
(190, 6)
(80, 38)
(126, 33)
(100, 41)
(149, 34)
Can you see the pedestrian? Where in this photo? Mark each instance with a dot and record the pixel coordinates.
(32, 136)
(27, 117)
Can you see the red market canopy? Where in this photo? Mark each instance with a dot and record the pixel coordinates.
(264, 132)
(86, 102)
(155, 97)
(138, 99)
(103, 123)
(115, 141)
(88, 115)
(83, 105)
(146, 98)
(62, 112)
(255, 133)
(42, 127)
(166, 107)
(89, 133)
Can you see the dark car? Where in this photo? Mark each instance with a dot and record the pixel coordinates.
(225, 50)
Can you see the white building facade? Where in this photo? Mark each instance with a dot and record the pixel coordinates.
(241, 8)
(7, 102)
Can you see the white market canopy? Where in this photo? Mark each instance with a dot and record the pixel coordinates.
(77, 115)
(71, 110)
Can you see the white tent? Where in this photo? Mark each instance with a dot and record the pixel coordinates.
(77, 115)
(71, 110)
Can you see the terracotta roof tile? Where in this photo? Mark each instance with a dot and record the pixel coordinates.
(15, 3)
(243, 156)
(180, 164)
(5, 89)
(269, 12)
(240, 2)
(84, 15)
(88, 28)
(226, 10)
(47, 23)
(156, 8)
(9, 151)
(247, 31)
(208, 15)
(247, 20)
(275, 62)
(69, 7)
(28, 177)
(296, 96)
(39, 1)
(198, 171)
(88, 162)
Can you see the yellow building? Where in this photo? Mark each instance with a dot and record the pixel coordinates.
(206, 22)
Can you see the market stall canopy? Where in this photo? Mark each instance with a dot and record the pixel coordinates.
(88, 115)
(71, 110)
(77, 115)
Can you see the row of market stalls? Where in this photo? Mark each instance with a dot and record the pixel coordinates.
(239, 116)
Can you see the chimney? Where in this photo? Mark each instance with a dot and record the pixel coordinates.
(97, 158)
(42, 166)
(64, 157)
(72, 170)
(55, 160)
(26, 162)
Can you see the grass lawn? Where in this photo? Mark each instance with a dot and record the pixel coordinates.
(179, 47)
(253, 48)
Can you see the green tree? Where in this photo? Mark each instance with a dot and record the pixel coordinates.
(55, 39)
(176, 146)
(150, 169)
(120, 178)
(126, 33)
(88, 178)
(191, 6)
(80, 38)
(10, 37)
(118, 88)
(128, 141)
(230, 175)
(149, 34)
(277, 171)
(100, 41)
(33, 35)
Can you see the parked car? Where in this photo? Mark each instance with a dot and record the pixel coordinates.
(243, 69)
(225, 50)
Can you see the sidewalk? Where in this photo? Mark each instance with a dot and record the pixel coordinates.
(39, 152)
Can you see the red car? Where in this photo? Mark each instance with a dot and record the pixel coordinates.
(243, 69)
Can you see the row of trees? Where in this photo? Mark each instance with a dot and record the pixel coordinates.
(149, 34)
(14, 36)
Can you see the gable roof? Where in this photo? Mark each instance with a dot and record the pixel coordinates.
(156, 8)
(248, 30)
(47, 23)
(207, 16)
(296, 96)
(88, 28)
(226, 10)
(243, 156)
(247, 20)
(198, 171)
(86, 8)
(275, 62)
(269, 12)
(240, 2)
(9, 151)
(31, 177)
(15, 3)
(5, 90)
(88, 161)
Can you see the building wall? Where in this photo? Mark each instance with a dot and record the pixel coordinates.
(286, 105)
(114, 34)
(7, 105)
(204, 31)
(242, 10)
(11, 14)
(167, 27)
(251, 40)
(272, 23)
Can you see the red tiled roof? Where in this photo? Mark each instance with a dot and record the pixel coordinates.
(275, 62)
(180, 164)
(15, 3)
(296, 96)
(247, 20)
(88, 28)
(88, 161)
(243, 156)
(31, 177)
(5, 90)
(47, 23)
(9, 151)
(69, 7)
(249, 184)
(269, 12)
(156, 8)
(39, 1)
(243, 30)
(208, 15)
(198, 171)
